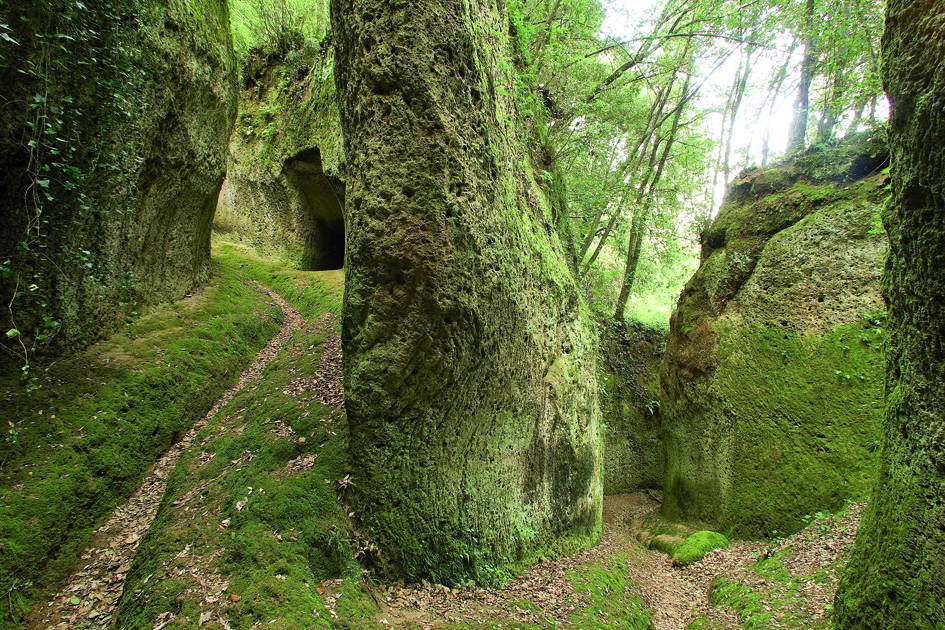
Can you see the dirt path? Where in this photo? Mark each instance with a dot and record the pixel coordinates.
(89, 598)
(545, 596)
(676, 595)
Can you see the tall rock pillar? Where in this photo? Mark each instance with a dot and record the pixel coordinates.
(896, 577)
(468, 353)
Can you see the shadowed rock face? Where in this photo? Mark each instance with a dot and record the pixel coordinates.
(628, 371)
(323, 226)
(772, 374)
(468, 355)
(129, 165)
(295, 215)
(896, 576)
(284, 194)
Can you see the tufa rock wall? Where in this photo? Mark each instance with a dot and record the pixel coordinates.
(896, 575)
(773, 367)
(628, 372)
(112, 151)
(283, 194)
(469, 357)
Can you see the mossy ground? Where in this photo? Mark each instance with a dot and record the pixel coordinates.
(790, 587)
(696, 546)
(286, 550)
(80, 443)
(251, 522)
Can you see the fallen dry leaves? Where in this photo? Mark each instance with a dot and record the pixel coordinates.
(675, 595)
(89, 598)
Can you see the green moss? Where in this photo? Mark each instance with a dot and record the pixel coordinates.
(768, 594)
(611, 604)
(256, 503)
(773, 374)
(696, 546)
(628, 366)
(807, 421)
(896, 577)
(98, 421)
(469, 383)
(283, 195)
(817, 195)
(117, 224)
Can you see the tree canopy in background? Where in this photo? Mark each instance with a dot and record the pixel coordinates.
(649, 119)
(277, 26)
(652, 119)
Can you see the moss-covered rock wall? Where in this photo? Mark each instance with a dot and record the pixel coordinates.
(628, 371)
(896, 576)
(773, 368)
(113, 139)
(469, 358)
(283, 193)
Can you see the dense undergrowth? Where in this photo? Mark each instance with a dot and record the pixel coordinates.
(79, 443)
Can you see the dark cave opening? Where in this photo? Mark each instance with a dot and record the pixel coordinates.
(323, 226)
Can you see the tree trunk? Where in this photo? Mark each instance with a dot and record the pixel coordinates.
(641, 217)
(798, 134)
(738, 93)
(634, 247)
(633, 162)
(896, 576)
(774, 90)
(830, 110)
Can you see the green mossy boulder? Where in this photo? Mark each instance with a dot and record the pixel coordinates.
(630, 408)
(696, 546)
(283, 193)
(112, 151)
(469, 356)
(773, 369)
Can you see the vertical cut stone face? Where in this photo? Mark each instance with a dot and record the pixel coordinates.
(896, 576)
(773, 368)
(132, 163)
(283, 194)
(468, 355)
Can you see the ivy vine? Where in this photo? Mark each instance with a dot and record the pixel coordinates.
(74, 81)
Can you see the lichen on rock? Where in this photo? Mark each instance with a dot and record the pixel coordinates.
(773, 368)
(284, 190)
(468, 351)
(112, 149)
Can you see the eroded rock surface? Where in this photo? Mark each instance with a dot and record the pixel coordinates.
(630, 406)
(112, 151)
(773, 368)
(896, 577)
(468, 353)
(284, 193)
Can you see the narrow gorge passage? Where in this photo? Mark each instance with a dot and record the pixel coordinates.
(89, 598)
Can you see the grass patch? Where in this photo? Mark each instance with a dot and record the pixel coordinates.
(84, 438)
(251, 523)
(311, 292)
